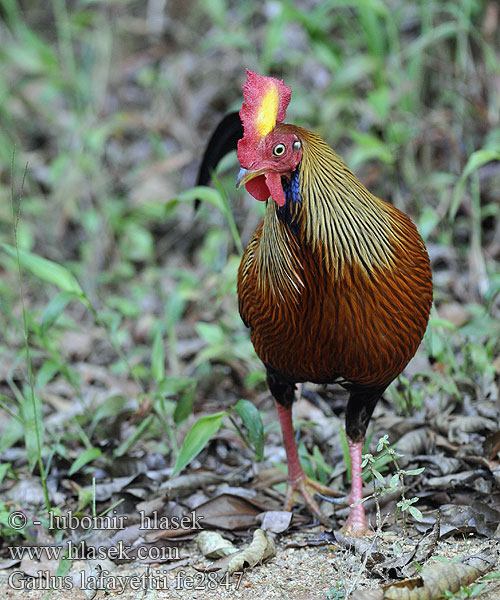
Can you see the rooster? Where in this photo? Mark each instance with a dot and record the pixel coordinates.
(335, 284)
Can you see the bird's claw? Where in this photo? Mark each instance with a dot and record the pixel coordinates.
(307, 487)
(356, 529)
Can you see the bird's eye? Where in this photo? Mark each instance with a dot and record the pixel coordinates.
(279, 150)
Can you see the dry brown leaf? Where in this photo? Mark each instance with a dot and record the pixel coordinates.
(105, 489)
(413, 442)
(448, 482)
(427, 545)
(267, 478)
(7, 563)
(32, 567)
(437, 578)
(276, 521)
(367, 595)
(148, 507)
(478, 517)
(213, 545)
(185, 484)
(491, 445)
(438, 464)
(404, 565)
(228, 511)
(261, 548)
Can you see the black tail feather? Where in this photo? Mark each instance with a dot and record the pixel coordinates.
(224, 139)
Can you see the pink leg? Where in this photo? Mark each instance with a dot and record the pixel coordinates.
(297, 479)
(295, 472)
(356, 522)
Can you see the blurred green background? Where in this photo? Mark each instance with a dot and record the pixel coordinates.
(105, 108)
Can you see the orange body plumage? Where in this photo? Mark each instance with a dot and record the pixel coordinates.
(344, 294)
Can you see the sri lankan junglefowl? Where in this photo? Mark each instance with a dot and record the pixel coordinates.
(335, 284)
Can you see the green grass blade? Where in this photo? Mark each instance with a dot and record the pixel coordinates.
(47, 270)
(85, 457)
(476, 160)
(125, 446)
(158, 357)
(34, 434)
(252, 421)
(54, 309)
(185, 403)
(197, 438)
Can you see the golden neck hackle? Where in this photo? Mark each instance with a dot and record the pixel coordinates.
(340, 221)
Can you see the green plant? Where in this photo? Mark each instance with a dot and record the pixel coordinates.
(206, 427)
(336, 593)
(474, 590)
(381, 487)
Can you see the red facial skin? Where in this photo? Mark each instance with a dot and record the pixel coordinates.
(262, 158)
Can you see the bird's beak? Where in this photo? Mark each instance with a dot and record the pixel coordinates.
(245, 175)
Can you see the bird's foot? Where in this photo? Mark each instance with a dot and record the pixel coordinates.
(307, 487)
(356, 524)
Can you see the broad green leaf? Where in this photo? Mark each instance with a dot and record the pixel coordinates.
(252, 421)
(368, 147)
(416, 514)
(158, 357)
(48, 271)
(136, 242)
(437, 322)
(85, 457)
(54, 309)
(322, 467)
(173, 385)
(184, 405)
(415, 471)
(211, 333)
(175, 306)
(380, 99)
(12, 434)
(197, 438)
(394, 481)
(433, 35)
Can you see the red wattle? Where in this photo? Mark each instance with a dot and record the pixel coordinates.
(258, 189)
(273, 181)
(263, 186)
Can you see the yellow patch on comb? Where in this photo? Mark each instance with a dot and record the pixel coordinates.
(268, 110)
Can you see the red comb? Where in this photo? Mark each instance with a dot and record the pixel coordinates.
(266, 101)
